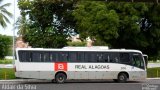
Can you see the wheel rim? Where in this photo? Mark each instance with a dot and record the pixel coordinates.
(61, 78)
(121, 77)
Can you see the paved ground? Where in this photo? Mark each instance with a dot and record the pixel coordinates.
(6, 66)
(149, 84)
(151, 65)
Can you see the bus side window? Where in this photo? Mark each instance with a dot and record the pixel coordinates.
(46, 56)
(80, 56)
(106, 57)
(94, 57)
(63, 56)
(114, 57)
(24, 56)
(124, 58)
(87, 57)
(36, 57)
(72, 57)
(53, 56)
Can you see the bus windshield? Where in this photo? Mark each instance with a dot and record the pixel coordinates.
(137, 60)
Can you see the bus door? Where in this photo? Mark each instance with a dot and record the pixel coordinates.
(138, 66)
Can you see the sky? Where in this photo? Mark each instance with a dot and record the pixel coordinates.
(9, 30)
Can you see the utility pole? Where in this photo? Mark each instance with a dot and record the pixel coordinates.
(13, 33)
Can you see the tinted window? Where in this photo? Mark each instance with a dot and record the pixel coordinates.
(46, 57)
(114, 57)
(137, 60)
(36, 57)
(106, 57)
(72, 57)
(87, 57)
(54, 56)
(99, 57)
(63, 56)
(24, 56)
(80, 56)
(124, 58)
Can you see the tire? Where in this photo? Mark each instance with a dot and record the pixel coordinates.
(122, 78)
(60, 78)
(53, 80)
(115, 80)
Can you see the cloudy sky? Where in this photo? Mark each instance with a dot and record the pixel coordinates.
(9, 29)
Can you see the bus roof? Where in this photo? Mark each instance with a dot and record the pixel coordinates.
(80, 49)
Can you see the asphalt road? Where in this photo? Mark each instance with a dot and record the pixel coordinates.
(148, 84)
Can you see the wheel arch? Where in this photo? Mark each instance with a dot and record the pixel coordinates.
(60, 72)
(127, 74)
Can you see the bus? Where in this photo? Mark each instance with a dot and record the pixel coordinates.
(80, 63)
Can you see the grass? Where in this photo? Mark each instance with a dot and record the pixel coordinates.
(6, 61)
(153, 72)
(7, 73)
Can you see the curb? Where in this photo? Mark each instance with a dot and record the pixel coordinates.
(153, 78)
(19, 80)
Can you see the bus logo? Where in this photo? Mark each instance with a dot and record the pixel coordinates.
(61, 66)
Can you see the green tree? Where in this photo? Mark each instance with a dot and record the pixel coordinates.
(95, 20)
(5, 42)
(4, 14)
(48, 21)
(119, 24)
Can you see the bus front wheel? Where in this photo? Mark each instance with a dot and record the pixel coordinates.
(60, 78)
(122, 78)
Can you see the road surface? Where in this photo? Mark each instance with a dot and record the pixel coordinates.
(149, 84)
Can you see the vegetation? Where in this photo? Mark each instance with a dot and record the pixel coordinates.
(47, 23)
(7, 73)
(6, 61)
(153, 72)
(76, 43)
(4, 14)
(5, 43)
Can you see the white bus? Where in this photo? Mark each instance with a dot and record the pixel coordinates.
(80, 63)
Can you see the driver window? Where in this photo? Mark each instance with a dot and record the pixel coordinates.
(137, 60)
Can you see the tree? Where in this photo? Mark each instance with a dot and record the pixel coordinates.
(47, 19)
(120, 24)
(95, 20)
(4, 14)
(5, 42)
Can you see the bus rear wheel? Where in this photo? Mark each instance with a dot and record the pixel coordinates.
(60, 78)
(122, 78)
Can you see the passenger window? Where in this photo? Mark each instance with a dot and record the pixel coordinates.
(106, 57)
(72, 57)
(24, 56)
(63, 57)
(80, 56)
(124, 58)
(36, 57)
(87, 57)
(114, 57)
(46, 56)
(54, 56)
(99, 57)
